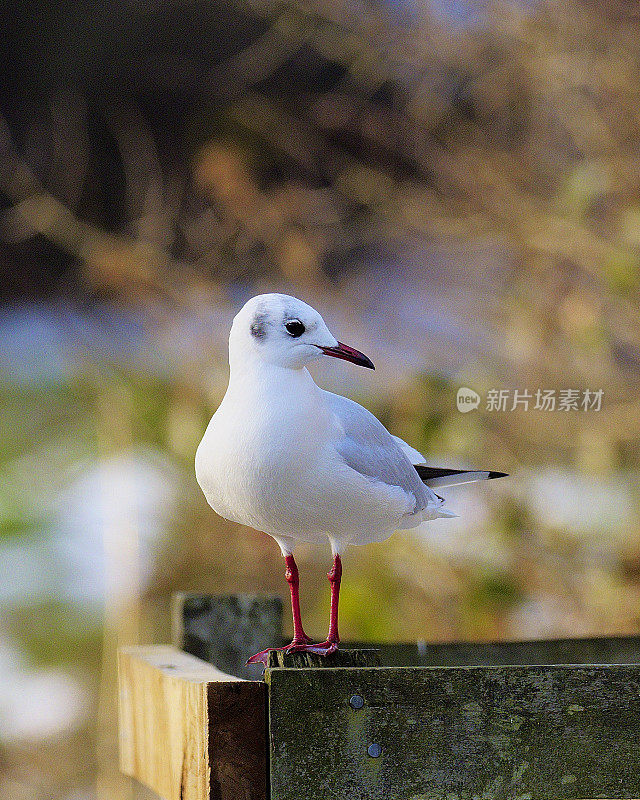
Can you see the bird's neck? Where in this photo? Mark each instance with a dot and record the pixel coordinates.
(259, 377)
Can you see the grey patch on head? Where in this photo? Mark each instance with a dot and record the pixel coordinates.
(259, 325)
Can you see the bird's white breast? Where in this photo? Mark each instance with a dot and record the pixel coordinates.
(268, 460)
(256, 453)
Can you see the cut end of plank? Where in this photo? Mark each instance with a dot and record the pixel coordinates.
(187, 730)
(341, 658)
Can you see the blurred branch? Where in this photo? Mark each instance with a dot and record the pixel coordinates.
(110, 260)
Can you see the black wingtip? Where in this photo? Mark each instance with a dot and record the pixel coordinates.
(498, 475)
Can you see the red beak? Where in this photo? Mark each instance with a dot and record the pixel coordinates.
(348, 354)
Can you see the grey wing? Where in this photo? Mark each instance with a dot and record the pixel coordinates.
(412, 454)
(368, 448)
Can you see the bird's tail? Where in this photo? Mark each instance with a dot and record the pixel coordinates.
(446, 512)
(442, 476)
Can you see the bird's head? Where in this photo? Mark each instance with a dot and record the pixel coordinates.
(284, 331)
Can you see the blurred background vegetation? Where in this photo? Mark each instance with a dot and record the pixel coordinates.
(454, 185)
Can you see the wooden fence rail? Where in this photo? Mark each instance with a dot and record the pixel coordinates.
(505, 721)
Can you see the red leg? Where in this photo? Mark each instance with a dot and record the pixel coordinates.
(300, 638)
(335, 576)
(333, 639)
(291, 574)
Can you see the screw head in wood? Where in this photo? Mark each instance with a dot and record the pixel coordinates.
(374, 750)
(355, 701)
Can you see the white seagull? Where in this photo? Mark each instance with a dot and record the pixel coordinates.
(286, 457)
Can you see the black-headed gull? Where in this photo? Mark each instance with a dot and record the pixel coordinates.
(299, 463)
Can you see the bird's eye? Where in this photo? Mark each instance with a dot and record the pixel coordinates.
(294, 328)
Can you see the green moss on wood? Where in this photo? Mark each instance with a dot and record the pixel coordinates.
(473, 733)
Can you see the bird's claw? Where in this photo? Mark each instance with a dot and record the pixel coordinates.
(322, 648)
(262, 657)
(296, 646)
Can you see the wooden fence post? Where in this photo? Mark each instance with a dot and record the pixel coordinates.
(227, 630)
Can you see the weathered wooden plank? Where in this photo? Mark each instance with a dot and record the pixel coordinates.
(226, 630)
(592, 650)
(187, 730)
(491, 733)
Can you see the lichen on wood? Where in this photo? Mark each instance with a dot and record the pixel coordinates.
(468, 733)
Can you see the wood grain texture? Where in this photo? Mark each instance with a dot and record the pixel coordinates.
(189, 731)
(496, 733)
